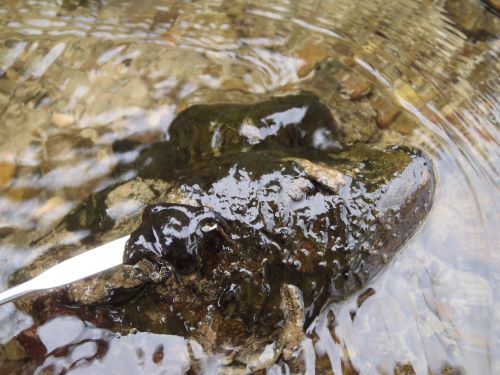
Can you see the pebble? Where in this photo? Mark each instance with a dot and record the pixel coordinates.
(405, 93)
(403, 124)
(4, 100)
(14, 351)
(7, 172)
(495, 4)
(136, 190)
(22, 193)
(354, 86)
(312, 55)
(65, 149)
(53, 210)
(386, 111)
(347, 60)
(62, 120)
(331, 178)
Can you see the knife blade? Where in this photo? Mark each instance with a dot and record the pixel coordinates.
(89, 263)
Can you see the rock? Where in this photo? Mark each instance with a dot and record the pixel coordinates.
(347, 60)
(32, 344)
(138, 92)
(52, 211)
(94, 291)
(354, 86)
(494, 3)
(322, 174)
(14, 351)
(355, 119)
(203, 132)
(474, 19)
(65, 148)
(73, 4)
(251, 226)
(311, 54)
(62, 120)
(234, 211)
(7, 172)
(128, 198)
(404, 92)
(403, 124)
(386, 111)
(22, 193)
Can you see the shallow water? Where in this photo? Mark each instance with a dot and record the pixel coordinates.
(75, 76)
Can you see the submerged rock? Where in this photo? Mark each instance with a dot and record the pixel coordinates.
(257, 216)
(7, 172)
(475, 18)
(264, 223)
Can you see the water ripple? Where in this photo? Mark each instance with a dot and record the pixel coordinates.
(75, 76)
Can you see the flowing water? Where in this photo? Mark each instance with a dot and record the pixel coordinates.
(77, 75)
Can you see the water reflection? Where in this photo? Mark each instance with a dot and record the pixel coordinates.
(84, 348)
(75, 76)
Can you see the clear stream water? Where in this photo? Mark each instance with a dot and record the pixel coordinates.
(77, 75)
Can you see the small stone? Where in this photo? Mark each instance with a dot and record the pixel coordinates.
(312, 55)
(94, 290)
(128, 199)
(386, 112)
(354, 86)
(494, 3)
(347, 60)
(403, 124)
(158, 355)
(4, 100)
(52, 211)
(133, 190)
(62, 120)
(22, 193)
(51, 204)
(65, 149)
(7, 172)
(32, 344)
(14, 351)
(179, 196)
(476, 19)
(91, 134)
(234, 83)
(404, 369)
(137, 92)
(162, 19)
(405, 93)
(365, 295)
(326, 176)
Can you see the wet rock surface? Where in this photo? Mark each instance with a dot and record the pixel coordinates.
(253, 217)
(479, 20)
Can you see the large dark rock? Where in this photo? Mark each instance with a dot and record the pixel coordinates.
(257, 216)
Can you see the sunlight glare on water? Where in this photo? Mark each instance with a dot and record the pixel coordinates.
(77, 75)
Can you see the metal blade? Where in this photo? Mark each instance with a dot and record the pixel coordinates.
(73, 269)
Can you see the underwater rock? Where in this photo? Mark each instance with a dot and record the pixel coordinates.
(202, 132)
(474, 18)
(387, 112)
(311, 54)
(263, 222)
(355, 87)
(257, 216)
(7, 172)
(494, 3)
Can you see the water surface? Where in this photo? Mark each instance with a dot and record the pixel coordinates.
(75, 76)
